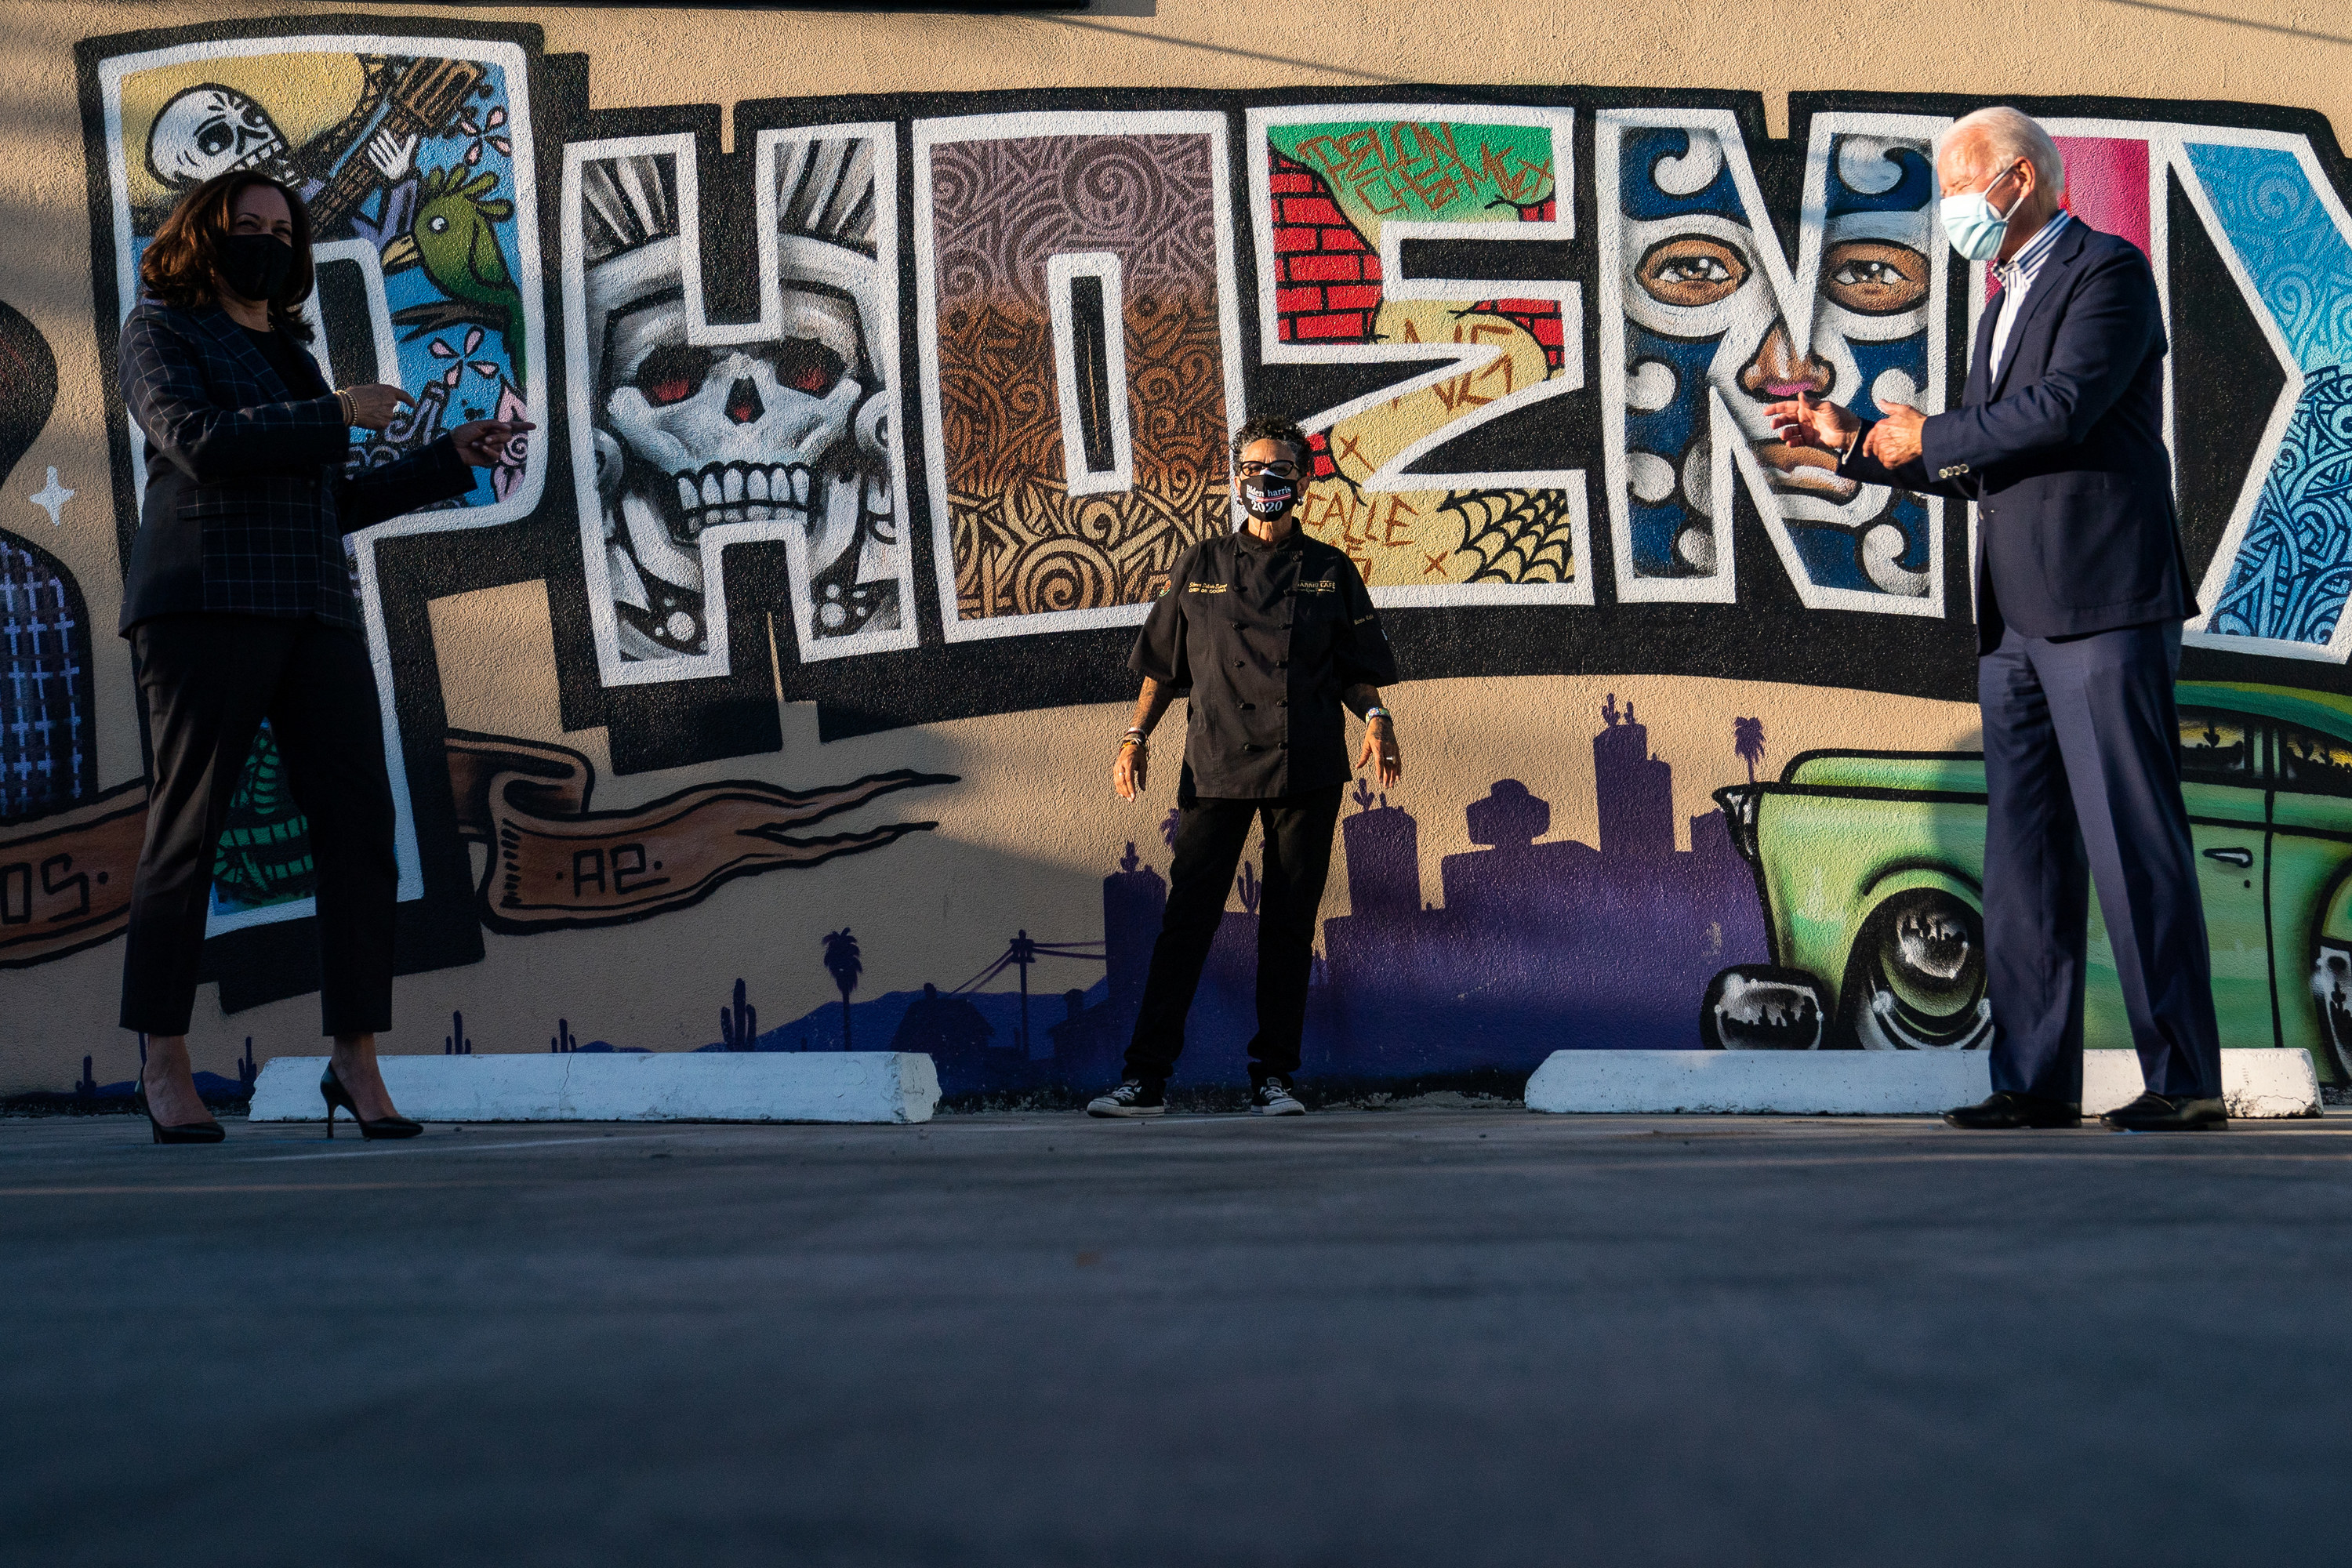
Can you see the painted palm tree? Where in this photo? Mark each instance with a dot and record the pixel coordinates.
(841, 961)
(1748, 744)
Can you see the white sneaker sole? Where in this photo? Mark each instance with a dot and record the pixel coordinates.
(1125, 1113)
(1289, 1108)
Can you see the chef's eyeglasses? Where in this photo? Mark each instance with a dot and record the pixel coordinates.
(1281, 469)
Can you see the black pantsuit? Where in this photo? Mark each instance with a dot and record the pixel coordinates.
(239, 604)
(1208, 838)
(207, 683)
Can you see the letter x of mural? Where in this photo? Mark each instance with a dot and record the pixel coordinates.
(904, 406)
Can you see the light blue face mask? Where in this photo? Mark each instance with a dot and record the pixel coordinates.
(1972, 225)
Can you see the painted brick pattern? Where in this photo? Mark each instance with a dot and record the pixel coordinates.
(1327, 279)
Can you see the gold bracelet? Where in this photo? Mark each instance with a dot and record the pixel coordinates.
(351, 409)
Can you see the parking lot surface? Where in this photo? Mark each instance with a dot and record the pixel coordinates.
(1415, 1336)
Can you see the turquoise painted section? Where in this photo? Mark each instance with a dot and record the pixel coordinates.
(2294, 568)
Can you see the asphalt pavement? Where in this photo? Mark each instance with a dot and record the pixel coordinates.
(1412, 1337)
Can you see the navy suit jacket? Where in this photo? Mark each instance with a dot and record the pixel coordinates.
(2063, 452)
(248, 502)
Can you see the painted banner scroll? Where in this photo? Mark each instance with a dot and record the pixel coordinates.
(555, 864)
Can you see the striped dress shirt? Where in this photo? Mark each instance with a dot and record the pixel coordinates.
(2016, 276)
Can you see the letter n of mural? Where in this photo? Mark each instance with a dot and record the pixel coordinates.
(1705, 324)
(690, 434)
(1081, 379)
(1336, 193)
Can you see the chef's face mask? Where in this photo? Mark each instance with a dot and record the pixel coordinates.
(1268, 495)
(255, 265)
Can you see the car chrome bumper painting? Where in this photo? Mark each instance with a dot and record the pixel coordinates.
(1762, 1007)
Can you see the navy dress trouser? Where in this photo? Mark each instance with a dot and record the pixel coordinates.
(2083, 771)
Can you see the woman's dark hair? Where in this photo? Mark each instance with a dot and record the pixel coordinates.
(181, 267)
(1273, 428)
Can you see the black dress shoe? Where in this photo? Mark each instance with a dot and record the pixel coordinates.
(2004, 1108)
(2153, 1112)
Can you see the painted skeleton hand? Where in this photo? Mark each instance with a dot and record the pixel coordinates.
(392, 156)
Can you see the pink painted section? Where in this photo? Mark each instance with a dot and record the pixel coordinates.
(2107, 187)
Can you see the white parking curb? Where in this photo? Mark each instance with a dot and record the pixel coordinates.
(2254, 1083)
(664, 1086)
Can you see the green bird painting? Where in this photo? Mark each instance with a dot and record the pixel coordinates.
(455, 238)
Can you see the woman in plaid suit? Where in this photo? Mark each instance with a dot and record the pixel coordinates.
(239, 607)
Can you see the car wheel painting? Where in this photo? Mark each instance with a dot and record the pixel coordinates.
(2331, 989)
(1916, 980)
(1761, 1007)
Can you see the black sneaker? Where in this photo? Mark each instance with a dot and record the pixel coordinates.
(1133, 1097)
(1273, 1097)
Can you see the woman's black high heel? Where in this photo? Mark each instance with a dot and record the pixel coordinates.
(331, 1089)
(204, 1131)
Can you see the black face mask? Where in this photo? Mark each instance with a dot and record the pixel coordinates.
(1264, 495)
(255, 265)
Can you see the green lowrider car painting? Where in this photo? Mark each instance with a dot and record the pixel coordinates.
(1871, 867)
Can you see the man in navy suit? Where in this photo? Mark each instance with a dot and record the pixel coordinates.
(2081, 588)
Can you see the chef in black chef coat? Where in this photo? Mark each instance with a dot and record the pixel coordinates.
(1273, 633)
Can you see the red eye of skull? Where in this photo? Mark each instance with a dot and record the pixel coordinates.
(672, 373)
(806, 366)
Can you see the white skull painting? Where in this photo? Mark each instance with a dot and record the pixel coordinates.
(211, 129)
(774, 431)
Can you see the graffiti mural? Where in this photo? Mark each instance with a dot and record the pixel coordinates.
(874, 424)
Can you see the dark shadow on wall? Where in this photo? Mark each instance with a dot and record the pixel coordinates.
(2226, 20)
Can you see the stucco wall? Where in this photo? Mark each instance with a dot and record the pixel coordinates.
(885, 705)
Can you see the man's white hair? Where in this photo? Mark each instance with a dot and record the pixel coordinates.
(2002, 135)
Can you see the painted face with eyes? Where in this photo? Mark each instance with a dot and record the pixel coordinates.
(1709, 321)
